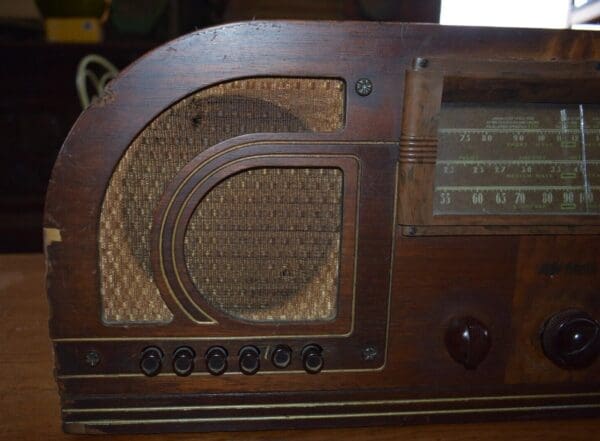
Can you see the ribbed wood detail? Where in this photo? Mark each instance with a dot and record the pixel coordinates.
(415, 149)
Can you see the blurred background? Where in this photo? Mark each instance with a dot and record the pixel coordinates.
(57, 55)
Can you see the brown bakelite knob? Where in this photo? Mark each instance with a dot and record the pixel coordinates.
(467, 341)
(571, 339)
(216, 360)
(151, 362)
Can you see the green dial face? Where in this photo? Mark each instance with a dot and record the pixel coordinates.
(518, 159)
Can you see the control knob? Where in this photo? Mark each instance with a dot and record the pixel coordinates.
(571, 339)
(468, 341)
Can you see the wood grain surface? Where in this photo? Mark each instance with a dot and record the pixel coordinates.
(29, 406)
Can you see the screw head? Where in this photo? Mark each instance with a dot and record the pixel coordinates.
(422, 62)
(369, 353)
(92, 358)
(364, 87)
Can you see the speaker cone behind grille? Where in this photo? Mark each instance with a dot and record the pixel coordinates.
(264, 245)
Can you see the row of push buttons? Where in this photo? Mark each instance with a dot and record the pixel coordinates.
(216, 357)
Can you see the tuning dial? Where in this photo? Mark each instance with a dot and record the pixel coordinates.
(249, 360)
(467, 341)
(571, 339)
(151, 362)
(312, 358)
(281, 357)
(216, 360)
(183, 361)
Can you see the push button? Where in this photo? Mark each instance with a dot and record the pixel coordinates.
(312, 359)
(249, 360)
(183, 361)
(151, 362)
(281, 357)
(216, 360)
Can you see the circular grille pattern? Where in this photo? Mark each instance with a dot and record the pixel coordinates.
(263, 245)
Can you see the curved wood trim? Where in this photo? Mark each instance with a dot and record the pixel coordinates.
(205, 172)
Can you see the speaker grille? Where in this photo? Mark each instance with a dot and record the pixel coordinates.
(129, 293)
(264, 244)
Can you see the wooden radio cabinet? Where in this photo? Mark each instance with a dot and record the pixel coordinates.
(310, 224)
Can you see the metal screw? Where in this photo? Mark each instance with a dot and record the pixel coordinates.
(364, 87)
(422, 62)
(369, 353)
(92, 358)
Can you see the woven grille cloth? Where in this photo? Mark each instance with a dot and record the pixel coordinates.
(264, 244)
(129, 293)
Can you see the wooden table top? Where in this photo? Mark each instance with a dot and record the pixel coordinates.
(29, 406)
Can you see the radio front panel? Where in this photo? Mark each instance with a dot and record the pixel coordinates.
(401, 226)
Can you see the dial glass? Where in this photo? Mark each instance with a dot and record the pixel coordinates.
(518, 159)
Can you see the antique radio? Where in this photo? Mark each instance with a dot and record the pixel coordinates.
(289, 224)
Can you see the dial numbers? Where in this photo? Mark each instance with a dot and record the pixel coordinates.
(518, 159)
